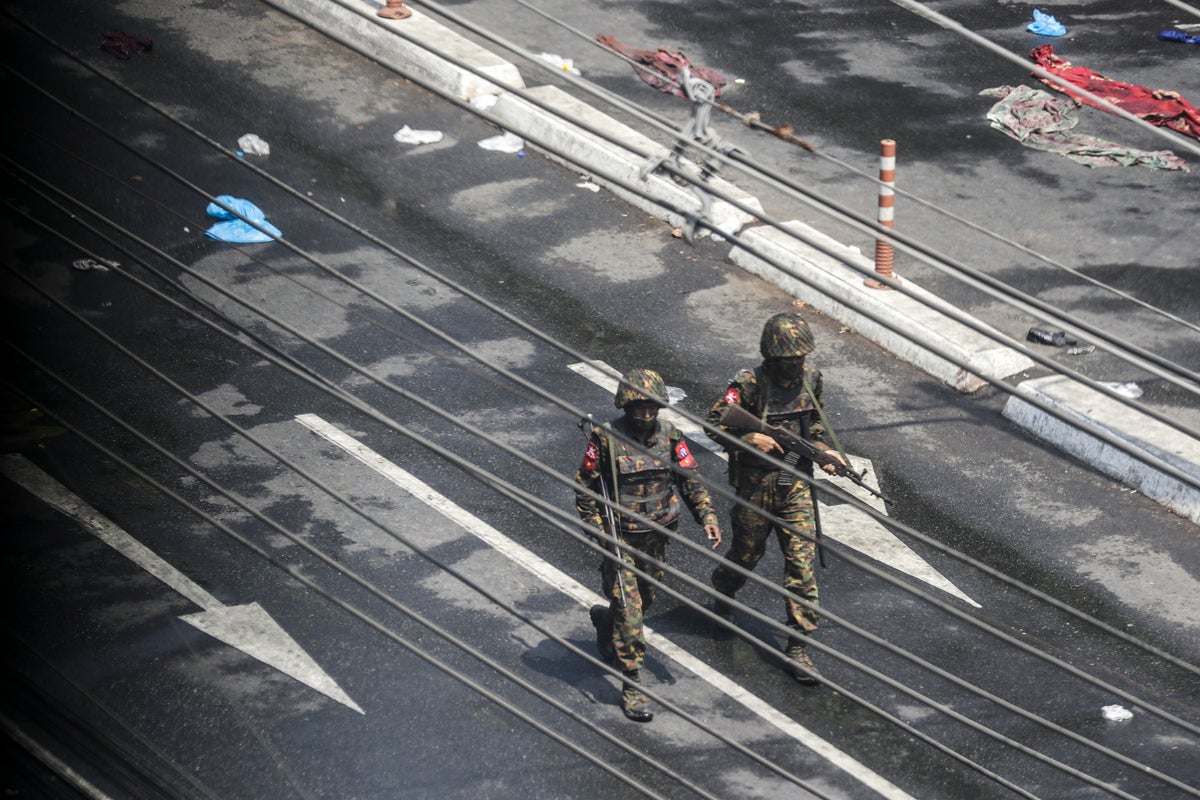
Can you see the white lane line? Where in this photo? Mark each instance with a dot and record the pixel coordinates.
(843, 522)
(587, 598)
(247, 627)
(55, 764)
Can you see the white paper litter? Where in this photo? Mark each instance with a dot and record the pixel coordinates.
(1117, 713)
(675, 394)
(407, 135)
(250, 143)
(483, 102)
(565, 64)
(1130, 390)
(591, 187)
(504, 143)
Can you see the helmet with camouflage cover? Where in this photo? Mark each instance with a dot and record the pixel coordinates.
(650, 387)
(786, 335)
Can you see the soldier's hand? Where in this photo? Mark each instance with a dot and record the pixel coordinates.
(764, 442)
(713, 532)
(833, 468)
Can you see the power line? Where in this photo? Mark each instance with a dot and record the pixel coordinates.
(829, 207)
(722, 490)
(574, 411)
(777, 180)
(478, 356)
(343, 570)
(365, 373)
(933, 703)
(958, 316)
(902, 240)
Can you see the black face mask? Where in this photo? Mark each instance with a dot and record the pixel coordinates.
(642, 425)
(787, 371)
(639, 424)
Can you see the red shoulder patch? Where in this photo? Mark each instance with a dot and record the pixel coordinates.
(683, 456)
(591, 458)
(732, 396)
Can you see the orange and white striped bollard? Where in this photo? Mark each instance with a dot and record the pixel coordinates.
(884, 254)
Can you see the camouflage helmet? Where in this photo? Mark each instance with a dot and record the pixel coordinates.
(786, 335)
(650, 387)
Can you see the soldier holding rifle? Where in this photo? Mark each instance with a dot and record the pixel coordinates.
(786, 393)
(630, 462)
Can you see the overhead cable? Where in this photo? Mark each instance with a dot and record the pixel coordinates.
(940, 351)
(934, 704)
(779, 181)
(828, 206)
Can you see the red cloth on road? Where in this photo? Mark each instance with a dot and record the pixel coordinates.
(1160, 107)
(666, 63)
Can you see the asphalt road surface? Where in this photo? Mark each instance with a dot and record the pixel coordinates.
(294, 519)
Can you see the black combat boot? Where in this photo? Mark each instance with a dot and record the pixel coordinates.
(602, 621)
(720, 607)
(635, 704)
(803, 670)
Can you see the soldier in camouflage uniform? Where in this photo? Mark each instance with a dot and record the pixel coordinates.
(647, 486)
(783, 391)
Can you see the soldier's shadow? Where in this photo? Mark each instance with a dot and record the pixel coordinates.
(696, 632)
(584, 675)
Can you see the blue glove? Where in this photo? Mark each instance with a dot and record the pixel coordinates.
(236, 230)
(1045, 25)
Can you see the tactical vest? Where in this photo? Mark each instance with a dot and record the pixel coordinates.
(790, 408)
(646, 484)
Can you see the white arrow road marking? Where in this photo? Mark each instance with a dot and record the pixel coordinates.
(247, 627)
(842, 522)
(585, 597)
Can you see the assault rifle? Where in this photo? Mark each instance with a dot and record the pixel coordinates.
(794, 447)
(610, 520)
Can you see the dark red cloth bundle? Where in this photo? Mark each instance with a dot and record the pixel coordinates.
(1157, 106)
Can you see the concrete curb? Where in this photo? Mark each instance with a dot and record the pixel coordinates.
(411, 47)
(355, 24)
(1150, 436)
(621, 160)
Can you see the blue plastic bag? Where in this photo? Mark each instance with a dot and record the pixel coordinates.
(1178, 36)
(237, 230)
(1045, 25)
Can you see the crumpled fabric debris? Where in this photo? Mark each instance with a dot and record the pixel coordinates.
(504, 143)
(664, 64)
(1039, 120)
(236, 230)
(565, 64)
(407, 135)
(1161, 107)
(1132, 391)
(1046, 25)
(86, 264)
(252, 143)
(122, 45)
(484, 102)
(1178, 36)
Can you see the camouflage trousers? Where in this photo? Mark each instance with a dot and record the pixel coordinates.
(629, 640)
(750, 533)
